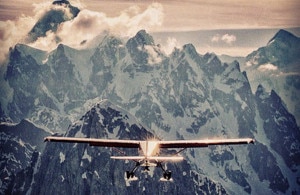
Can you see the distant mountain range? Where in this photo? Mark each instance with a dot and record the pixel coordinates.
(121, 89)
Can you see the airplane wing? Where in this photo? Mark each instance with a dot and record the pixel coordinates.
(96, 142)
(162, 144)
(203, 143)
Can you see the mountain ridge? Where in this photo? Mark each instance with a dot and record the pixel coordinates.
(276, 67)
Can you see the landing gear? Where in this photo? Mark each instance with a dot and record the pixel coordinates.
(130, 174)
(167, 175)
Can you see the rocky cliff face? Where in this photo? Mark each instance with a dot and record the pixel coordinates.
(276, 67)
(21, 145)
(78, 168)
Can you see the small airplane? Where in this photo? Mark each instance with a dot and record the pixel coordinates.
(149, 149)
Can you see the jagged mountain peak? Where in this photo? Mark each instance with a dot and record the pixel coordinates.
(213, 65)
(93, 165)
(189, 47)
(143, 38)
(143, 50)
(105, 119)
(61, 2)
(109, 46)
(62, 48)
(110, 40)
(236, 65)
(59, 52)
(52, 19)
(208, 57)
(261, 92)
(282, 52)
(191, 50)
(283, 36)
(276, 66)
(25, 50)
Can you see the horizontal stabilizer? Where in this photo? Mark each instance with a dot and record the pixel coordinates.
(155, 158)
(165, 158)
(128, 157)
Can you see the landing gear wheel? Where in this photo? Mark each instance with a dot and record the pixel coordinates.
(129, 174)
(167, 175)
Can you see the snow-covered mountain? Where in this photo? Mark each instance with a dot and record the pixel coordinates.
(183, 95)
(80, 169)
(21, 145)
(276, 67)
(61, 11)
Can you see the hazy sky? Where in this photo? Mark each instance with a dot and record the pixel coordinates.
(188, 14)
(126, 17)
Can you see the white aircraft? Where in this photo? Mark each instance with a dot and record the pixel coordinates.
(149, 149)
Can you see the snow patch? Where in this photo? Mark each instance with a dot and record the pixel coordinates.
(21, 143)
(62, 157)
(62, 178)
(87, 156)
(83, 176)
(97, 174)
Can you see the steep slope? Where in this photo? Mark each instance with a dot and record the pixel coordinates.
(78, 168)
(276, 67)
(282, 50)
(45, 86)
(59, 12)
(21, 145)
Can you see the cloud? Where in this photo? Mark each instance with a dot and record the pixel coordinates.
(12, 32)
(216, 38)
(86, 26)
(267, 67)
(171, 44)
(15, 31)
(154, 57)
(89, 24)
(226, 38)
(229, 39)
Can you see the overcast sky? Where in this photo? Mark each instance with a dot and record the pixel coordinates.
(188, 14)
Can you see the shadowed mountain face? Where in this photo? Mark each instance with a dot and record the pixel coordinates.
(183, 95)
(62, 11)
(276, 67)
(79, 168)
(21, 145)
